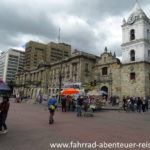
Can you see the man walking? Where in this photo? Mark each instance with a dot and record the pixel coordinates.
(79, 106)
(63, 103)
(51, 107)
(4, 107)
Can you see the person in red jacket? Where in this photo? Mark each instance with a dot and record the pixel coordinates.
(4, 107)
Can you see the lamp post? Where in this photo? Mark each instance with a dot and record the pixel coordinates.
(60, 82)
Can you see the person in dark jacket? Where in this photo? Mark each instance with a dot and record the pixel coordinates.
(4, 107)
(79, 106)
(139, 104)
(63, 103)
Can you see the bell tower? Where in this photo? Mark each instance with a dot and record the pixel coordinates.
(136, 37)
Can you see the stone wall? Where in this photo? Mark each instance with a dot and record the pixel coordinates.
(135, 87)
(116, 80)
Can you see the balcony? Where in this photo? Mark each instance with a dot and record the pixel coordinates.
(36, 83)
(106, 78)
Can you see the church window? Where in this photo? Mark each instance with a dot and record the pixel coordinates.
(132, 76)
(104, 71)
(86, 67)
(148, 53)
(132, 55)
(132, 34)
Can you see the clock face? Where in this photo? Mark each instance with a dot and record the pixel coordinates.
(131, 19)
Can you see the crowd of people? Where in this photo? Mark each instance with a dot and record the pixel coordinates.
(90, 103)
(68, 103)
(135, 104)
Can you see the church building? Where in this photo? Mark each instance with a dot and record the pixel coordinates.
(131, 77)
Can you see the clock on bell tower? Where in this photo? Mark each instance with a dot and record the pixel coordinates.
(135, 37)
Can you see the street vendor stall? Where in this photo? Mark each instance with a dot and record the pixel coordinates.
(94, 93)
(95, 100)
(70, 101)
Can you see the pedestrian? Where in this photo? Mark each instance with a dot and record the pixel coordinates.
(71, 103)
(79, 106)
(139, 104)
(143, 104)
(41, 98)
(4, 107)
(85, 104)
(52, 105)
(146, 104)
(132, 100)
(17, 98)
(124, 103)
(63, 103)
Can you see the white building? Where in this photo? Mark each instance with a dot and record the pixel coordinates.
(136, 37)
(11, 62)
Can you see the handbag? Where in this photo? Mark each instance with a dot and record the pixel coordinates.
(52, 107)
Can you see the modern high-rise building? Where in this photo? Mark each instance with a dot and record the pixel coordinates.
(37, 53)
(11, 63)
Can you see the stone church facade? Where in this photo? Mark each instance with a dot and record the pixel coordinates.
(129, 77)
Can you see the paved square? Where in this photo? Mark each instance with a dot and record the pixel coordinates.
(29, 128)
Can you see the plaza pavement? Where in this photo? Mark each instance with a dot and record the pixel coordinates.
(29, 128)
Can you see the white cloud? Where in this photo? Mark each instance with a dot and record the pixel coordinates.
(108, 32)
(86, 25)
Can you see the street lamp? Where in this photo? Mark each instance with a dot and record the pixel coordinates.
(60, 82)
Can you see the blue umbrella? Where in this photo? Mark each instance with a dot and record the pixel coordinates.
(103, 92)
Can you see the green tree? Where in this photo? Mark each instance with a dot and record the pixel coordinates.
(11, 84)
(88, 88)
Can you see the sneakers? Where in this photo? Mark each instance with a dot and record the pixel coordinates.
(51, 121)
(5, 131)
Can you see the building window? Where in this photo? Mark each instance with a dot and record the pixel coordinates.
(132, 76)
(86, 67)
(148, 54)
(148, 34)
(104, 71)
(132, 55)
(132, 34)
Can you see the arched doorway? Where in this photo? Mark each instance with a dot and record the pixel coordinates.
(104, 91)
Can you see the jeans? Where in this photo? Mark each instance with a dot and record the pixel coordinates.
(79, 110)
(139, 108)
(71, 107)
(2, 121)
(51, 117)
